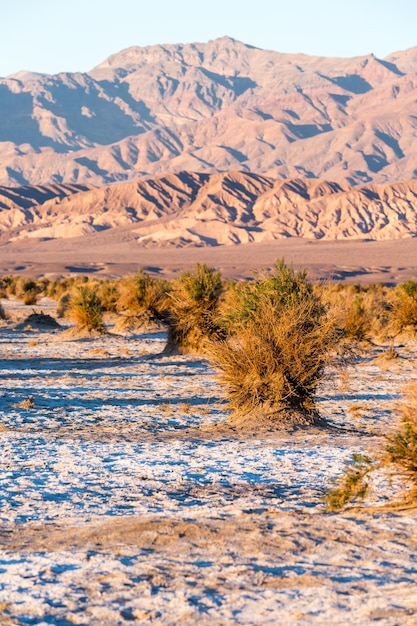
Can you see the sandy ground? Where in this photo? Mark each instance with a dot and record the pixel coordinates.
(116, 253)
(125, 496)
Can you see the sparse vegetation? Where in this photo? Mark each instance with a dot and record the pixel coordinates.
(352, 485)
(401, 448)
(361, 312)
(398, 458)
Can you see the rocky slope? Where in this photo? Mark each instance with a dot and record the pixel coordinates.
(212, 107)
(200, 209)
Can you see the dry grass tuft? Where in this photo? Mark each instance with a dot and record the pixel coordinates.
(28, 403)
(352, 485)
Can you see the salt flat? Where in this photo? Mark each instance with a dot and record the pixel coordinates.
(125, 495)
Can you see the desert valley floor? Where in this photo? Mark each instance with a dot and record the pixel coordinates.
(127, 497)
(114, 254)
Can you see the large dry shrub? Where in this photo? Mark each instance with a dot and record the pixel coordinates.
(85, 309)
(193, 310)
(280, 342)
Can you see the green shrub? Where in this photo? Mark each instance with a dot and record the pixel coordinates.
(282, 287)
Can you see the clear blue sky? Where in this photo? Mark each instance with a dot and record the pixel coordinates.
(75, 35)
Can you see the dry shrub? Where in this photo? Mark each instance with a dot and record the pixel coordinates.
(275, 363)
(281, 341)
(142, 301)
(85, 310)
(57, 288)
(27, 290)
(193, 310)
(352, 485)
(63, 304)
(403, 315)
(398, 458)
(9, 283)
(361, 312)
(3, 289)
(3, 315)
(43, 285)
(108, 293)
(401, 450)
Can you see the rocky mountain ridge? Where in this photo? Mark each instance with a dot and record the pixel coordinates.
(201, 209)
(212, 107)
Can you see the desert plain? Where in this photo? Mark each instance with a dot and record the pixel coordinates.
(127, 496)
(390, 262)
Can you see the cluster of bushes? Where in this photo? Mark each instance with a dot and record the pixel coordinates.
(271, 338)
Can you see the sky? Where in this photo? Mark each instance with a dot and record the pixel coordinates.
(51, 36)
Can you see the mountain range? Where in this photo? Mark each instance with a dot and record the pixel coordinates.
(200, 209)
(214, 107)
